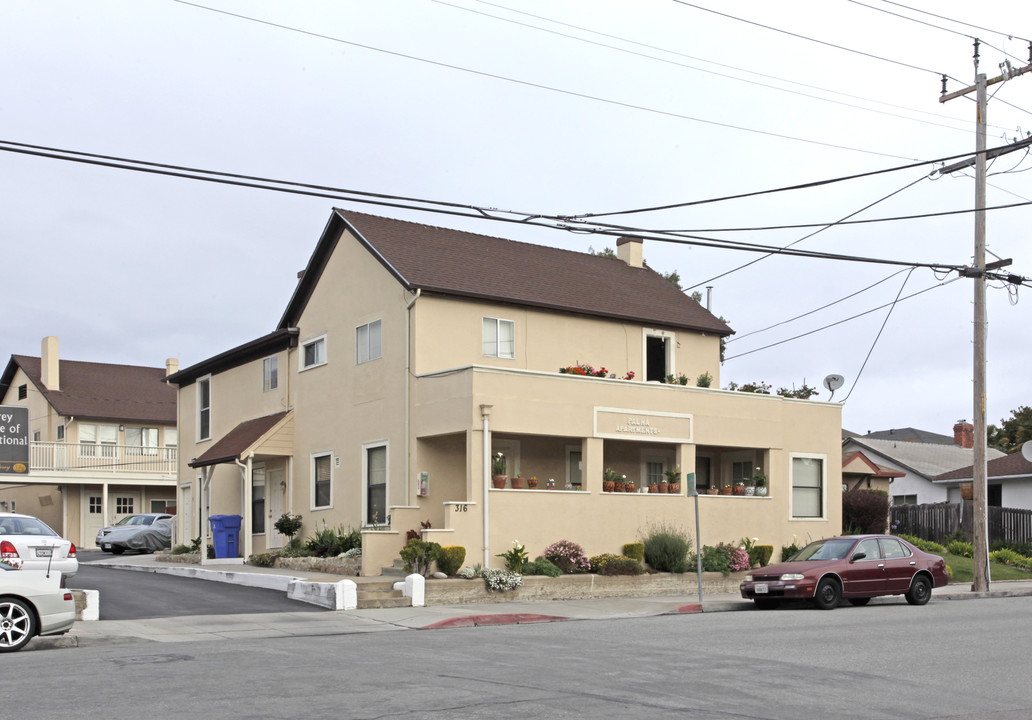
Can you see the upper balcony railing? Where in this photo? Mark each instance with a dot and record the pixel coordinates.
(98, 458)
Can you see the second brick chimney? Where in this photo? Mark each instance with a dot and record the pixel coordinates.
(964, 434)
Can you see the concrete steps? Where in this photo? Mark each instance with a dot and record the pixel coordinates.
(381, 595)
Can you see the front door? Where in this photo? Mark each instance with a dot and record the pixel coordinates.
(275, 491)
(93, 519)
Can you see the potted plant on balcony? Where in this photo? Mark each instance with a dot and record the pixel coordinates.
(517, 482)
(629, 485)
(760, 480)
(654, 485)
(750, 486)
(609, 480)
(739, 487)
(725, 488)
(532, 482)
(673, 480)
(498, 476)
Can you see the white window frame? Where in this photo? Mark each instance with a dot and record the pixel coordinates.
(670, 343)
(312, 465)
(95, 447)
(497, 324)
(270, 373)
(203, 411)
(60, 432)
(143, 447)
(792, 457)
(365, 351)
(318, 340)
(366, 447)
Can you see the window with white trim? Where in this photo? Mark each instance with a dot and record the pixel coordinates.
(60, 433)
(97, 440)
(499, 338)
(368, 341)
(658, 354)
(313, 353)
(322, 481)
(807, 487)
(270, 373)
(171, 437)
(204, 408)
(141, 440)
(124, 505)
(376, 484)
(96, 505)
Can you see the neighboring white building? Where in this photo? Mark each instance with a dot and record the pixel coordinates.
(1009, 481)
(919, 462)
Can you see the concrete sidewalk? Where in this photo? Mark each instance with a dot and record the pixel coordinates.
(300, 624)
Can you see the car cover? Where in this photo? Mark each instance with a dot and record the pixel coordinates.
(157, 536)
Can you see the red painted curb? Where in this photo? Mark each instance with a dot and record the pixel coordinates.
(691, 608)
(497, 619)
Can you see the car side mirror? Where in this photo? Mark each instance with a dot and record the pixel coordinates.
(858, 556)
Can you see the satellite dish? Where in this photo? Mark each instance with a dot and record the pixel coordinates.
(833, 383)
(1026, 450)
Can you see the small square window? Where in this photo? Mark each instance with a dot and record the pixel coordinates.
(313, 353)
(60, 432)
(499, 338)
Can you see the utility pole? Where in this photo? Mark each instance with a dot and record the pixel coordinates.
(977, 273)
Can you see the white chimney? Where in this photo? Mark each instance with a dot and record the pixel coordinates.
(628, 249)
(49, 364)
(171, 366)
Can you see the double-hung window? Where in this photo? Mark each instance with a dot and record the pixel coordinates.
(204, 409)
(141, 440)
(368, 342)
(322, 481)
(270, 373)
(97, 440)
(807, 487)
(376, 484)
(313, 353)
(499, 338)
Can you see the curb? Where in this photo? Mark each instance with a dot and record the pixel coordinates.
(496, 619)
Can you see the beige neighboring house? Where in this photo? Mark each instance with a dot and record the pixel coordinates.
(410, 356)
(103, 441)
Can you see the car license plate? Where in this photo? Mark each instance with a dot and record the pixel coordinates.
(105, 546)
(760, 588)
(43, 552)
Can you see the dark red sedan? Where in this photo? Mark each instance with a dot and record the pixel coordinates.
(854, 567)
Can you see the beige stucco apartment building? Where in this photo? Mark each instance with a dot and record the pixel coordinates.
(410, 356)
(103, 441)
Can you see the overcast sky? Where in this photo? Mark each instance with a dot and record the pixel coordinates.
(539, 108)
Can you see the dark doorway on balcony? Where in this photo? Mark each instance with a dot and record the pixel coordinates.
(655, 358)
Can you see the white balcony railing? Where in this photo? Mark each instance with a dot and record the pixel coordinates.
(115, 459)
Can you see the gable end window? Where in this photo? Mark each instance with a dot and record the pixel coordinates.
(499, 338)
(270, 373)
(204, 409)
(313, 353)
(368, 342)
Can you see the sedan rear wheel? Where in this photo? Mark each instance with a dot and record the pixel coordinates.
(828, 594)
(920, 591)
(17, 625)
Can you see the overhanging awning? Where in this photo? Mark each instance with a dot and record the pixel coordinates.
(269, 435)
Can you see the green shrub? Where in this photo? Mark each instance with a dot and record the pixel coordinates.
(542, 566)
(666, 549)
(598, 562)
(959, 547)
(865, 511)
(1020, 548)
(331, 543)
(265, 559)
(788, 551)
(450, 559)
(419, 555)
(761, 554)
(621, 565)
(182, 550)
(926, 545)
(634, 550)
(1007, 557)
(568, 556)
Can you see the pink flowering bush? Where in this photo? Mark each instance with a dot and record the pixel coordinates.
(738, 560)
(567, 556)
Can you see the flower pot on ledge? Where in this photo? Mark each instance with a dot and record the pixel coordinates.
(532, 483)
(517, 483)
(499, 481)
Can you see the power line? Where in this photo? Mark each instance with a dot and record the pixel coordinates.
(958, 22)
(814, 40)
(540, 86)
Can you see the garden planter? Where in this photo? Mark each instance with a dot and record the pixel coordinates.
(712, 491)
(739, 490)
(630, 487)
(517, 483)
(653, 488)
(674, 488)
(663, 487)
(608, 486)
(499, 481)
(761, 491)
(750, 490)
(532, 483)
(725, 491)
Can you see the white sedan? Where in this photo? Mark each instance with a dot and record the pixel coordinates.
(32, 602)
(28, 543)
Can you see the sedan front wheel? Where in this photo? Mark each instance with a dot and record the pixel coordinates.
(17, 625)
(828, 594)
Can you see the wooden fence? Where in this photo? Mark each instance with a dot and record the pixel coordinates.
(935, 522)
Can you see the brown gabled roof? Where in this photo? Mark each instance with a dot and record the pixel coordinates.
(101, 391)
(231, 446)
(464, 264)
(1006, 466)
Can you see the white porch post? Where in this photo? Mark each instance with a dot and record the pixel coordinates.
(485, 413)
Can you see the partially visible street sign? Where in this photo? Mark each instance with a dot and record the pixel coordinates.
(14, 440)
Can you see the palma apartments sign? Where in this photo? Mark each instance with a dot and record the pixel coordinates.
(620, 424)
(14, 440)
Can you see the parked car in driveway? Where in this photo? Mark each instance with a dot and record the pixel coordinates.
(28, 543)
(854, 567)
(32, 602)
(145, 532)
